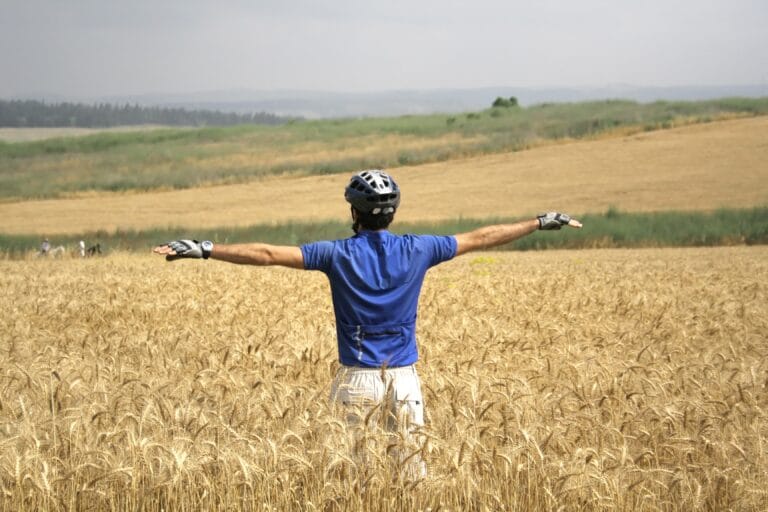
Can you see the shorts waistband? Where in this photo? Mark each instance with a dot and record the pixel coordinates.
(391, 370)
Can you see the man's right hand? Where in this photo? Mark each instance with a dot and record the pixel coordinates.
(180, 249)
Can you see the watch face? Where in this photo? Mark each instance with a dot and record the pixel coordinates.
(207, 245)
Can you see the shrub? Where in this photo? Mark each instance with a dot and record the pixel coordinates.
(505, 102)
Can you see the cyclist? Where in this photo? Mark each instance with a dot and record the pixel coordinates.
(375, 279)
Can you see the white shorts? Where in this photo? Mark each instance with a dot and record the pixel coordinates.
(384, 400)
(396, 390)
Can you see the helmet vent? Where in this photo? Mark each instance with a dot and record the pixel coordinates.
(383, 198)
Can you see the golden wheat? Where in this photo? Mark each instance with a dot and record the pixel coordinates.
(586, 380)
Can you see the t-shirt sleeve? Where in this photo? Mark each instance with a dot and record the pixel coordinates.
(443, 248)
(317, 256)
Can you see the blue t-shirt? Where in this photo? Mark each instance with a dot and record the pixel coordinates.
(376, 279)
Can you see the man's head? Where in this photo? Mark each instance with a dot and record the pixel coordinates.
(374, 197)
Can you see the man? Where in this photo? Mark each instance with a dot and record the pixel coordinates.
(375, 279)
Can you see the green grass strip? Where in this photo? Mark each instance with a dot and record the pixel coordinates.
(612, 229)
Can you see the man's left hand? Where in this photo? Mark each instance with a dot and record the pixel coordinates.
(556, 220)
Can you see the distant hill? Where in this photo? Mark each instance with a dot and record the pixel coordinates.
(335, 104)
(320, 104)
(187, 158)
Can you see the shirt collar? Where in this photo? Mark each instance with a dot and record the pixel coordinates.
(373, 234)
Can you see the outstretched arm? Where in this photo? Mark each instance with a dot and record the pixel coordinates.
(259, 254)
(500, 234)
(244, 254)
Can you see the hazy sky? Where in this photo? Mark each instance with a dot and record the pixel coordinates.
(111, 47)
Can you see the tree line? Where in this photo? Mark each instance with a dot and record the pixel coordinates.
(33, 113)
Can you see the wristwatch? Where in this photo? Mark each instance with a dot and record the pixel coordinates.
(207, 247)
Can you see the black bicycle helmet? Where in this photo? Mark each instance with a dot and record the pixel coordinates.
(373, 192)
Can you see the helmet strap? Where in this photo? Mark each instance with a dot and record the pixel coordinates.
(355, 222)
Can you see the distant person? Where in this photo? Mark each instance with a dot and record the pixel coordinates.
(45, 248)
(81, 248)
(376, 280)
(94, 250)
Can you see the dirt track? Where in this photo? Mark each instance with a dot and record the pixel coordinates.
(700, 167)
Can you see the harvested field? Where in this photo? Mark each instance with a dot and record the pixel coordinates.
(583, 380)
(30, 134)
(698, 167)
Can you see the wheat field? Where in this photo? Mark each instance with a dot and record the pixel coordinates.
(631, 380)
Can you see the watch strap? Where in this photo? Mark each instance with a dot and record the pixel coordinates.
(206, 248)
